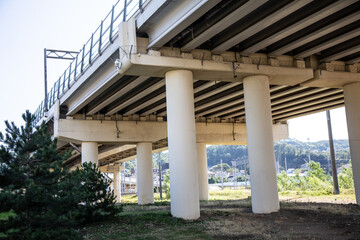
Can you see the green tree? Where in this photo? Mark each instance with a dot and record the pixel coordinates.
(167, 184)
(46, 200)
(346, 180)
(226, 167)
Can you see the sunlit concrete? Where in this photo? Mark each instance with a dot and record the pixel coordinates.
(117, 186)
(264, 193)
(89, 152)
(144, 175)
(77, 131)
(203, 171)
(352, 100)
(184, 187)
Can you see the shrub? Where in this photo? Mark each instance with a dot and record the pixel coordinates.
(346, 180)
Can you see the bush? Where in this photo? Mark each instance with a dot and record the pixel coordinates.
(346, 180)
(167, 185)
(315, 181)
(212, 180)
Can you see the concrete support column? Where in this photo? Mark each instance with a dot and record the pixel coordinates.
(203, 171)
(184, 187)
(352, 100)
(117, 186)
(144, 175)
(89, 152)
(264, 193)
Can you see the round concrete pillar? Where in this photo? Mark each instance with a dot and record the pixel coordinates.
(203, 171)
(117, 184)
(89, 152)
(144, 175)
(264, 193)
(352, 100)
(184, 187)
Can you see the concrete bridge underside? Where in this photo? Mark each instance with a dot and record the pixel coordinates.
(191, 73)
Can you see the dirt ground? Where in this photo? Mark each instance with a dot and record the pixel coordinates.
(295, 220)
(233, 219)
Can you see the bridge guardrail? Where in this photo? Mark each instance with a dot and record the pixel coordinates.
(102, 37)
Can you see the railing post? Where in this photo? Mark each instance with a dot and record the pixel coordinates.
(69, 75)
(124, 11)
(50, 98)
(64, 80)
(140, 5)
(45, 80)
(111, 24)
(58, 88)
(101, 28)
(76, 63)
(91, 46)
(82, 59)
(53, 96)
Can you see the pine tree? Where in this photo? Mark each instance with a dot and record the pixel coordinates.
(47, 200)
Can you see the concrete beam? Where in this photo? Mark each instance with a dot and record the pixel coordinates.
(298, 96)
(116, 95)
(218, 100)
(174, 17)
(329, 79)
(276, 105)
(311, 108)
(224, 23)
(136, 97)
(331, 9)
(353, 61)
(261, 25)
(105, 132)
(306, 113)
(210, 93)
(342, 54)
(328, 44)
(281, 109)
(237, 105)
(163, 105)
(317, 34)
(210, 70)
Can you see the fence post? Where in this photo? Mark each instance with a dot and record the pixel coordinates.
(101, 28)
(111, 24)
(91, 46)
(69, 75)
(82, 59)
(124, 11)
(76, 61)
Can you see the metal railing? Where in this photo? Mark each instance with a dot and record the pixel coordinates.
(100, 39)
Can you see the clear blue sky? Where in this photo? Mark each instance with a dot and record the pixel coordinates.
(29, 26)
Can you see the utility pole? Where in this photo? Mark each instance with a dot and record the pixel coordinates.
(234, 170)
(285, 165)
(221, 174)
(160, 184)
(332, 154)
(245, 173)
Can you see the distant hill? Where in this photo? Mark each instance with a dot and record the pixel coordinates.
(295, 152)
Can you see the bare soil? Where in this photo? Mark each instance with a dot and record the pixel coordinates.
(233, 219)
(294, 221)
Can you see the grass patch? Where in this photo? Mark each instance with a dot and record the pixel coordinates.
(147, 225)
